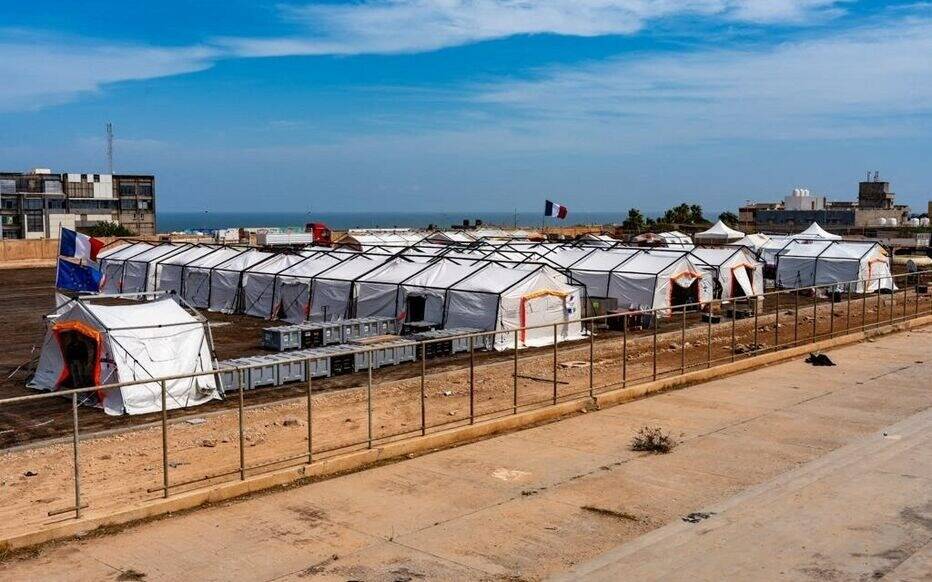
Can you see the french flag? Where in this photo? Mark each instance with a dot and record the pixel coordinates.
(80, 246)
(554, 209)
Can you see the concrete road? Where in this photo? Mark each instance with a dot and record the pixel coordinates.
(572, 495)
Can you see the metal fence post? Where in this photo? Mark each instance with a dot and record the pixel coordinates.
(472, 379)
(624, 350)
(242, 436)
(879, 304)
(683, 344)
(756, 325)
(423, 389)
(734, 319)
(591, 358)
(815, 313)
(848, 310)
(554, 363)
(369, 398)
(796, 317)
(864, 307)
(514, 378)
(708, 363)
(655, 342)
(831, 317)
(310, 414)
(776, 324)
(164, 440)
(77, 461)
(892, 301)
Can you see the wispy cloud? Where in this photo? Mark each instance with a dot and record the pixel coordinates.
(46, 69)
(406, 26)
(859, 83)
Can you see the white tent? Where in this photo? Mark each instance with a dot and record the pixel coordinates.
(331, 290)
(641, 278)
(737, 270)
(817, 232)
(501, 297)
(139, 272)
(377, 292)
(169, 271)
(293, 285)
(196, 279)
(423, 295)
(259, 282)
(754, 241)
(112, 261)
(226, 278)
(820, 262)
(91, 345)
(676, 240)
(719, 233)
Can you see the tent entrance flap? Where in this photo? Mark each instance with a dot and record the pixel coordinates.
(540, 308)
(416, 308)
(685, 289)
(81, 349)
(741, 277)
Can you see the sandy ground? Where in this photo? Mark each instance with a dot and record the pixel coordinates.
(540, 501)
(120, 469)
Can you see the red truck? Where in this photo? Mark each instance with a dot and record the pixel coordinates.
(321, 233)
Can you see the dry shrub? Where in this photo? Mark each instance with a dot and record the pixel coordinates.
(652, 439)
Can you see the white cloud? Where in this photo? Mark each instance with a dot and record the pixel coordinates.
(866, 82)
(40, 70)
(405, 26)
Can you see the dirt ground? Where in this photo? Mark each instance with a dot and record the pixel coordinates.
(121, 469)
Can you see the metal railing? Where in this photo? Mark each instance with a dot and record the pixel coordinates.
(635, 333)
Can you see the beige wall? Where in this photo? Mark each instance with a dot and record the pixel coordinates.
(34, 250)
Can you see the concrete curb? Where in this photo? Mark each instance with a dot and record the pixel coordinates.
(358, 460)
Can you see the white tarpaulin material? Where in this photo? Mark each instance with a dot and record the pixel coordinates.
(719, 232)
(168, 271)
(820, 262)
(817, 232)
(508, 297)
(226, 277)
(139, 272)
(259, 283)
(431, 286)
(293, 286)
(91, 345)
(737, 271)
(331, 292)
(376, 294)
(195, 280)
(639, 278)
(111, 265)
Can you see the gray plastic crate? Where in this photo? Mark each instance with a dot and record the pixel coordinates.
(382, 325)
(264, 374)
(289, 369)
(229, 377)
(286, 337)
(390, 353)
(319, 334)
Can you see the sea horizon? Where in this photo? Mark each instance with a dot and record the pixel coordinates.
(188, 221)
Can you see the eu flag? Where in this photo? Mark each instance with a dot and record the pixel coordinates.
(75, 277)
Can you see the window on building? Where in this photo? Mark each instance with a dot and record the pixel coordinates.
(144, 189)
(143, 205)
(127, 189)
(52, 187)
(8, 203)
(34, 222)
(32, 204)
(56, 203)
(127, 203)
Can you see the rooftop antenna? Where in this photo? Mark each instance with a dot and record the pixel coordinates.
(876, 176)
(868, 175)
(110, 146)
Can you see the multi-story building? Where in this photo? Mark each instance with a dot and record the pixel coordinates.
(873, 207)
(38, 203)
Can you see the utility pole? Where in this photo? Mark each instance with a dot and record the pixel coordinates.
(110, 147)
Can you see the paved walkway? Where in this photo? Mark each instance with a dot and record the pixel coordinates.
(546, 500)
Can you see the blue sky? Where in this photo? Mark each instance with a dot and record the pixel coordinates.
(448, 105)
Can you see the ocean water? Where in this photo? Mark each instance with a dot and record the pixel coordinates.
(186, 221)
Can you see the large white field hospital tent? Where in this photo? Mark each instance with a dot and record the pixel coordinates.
(89, 345)
(642, 278)
(227, 277)
(821, 262)
(718, 233)
(770, 248)
(196, 279)
(736, 270)
(292, 290)
(169, 272)
(259, 283)
(112, 260)
(139, 271)
(331, 291)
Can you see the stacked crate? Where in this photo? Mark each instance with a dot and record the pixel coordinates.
(445, 344)
(319, 334)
